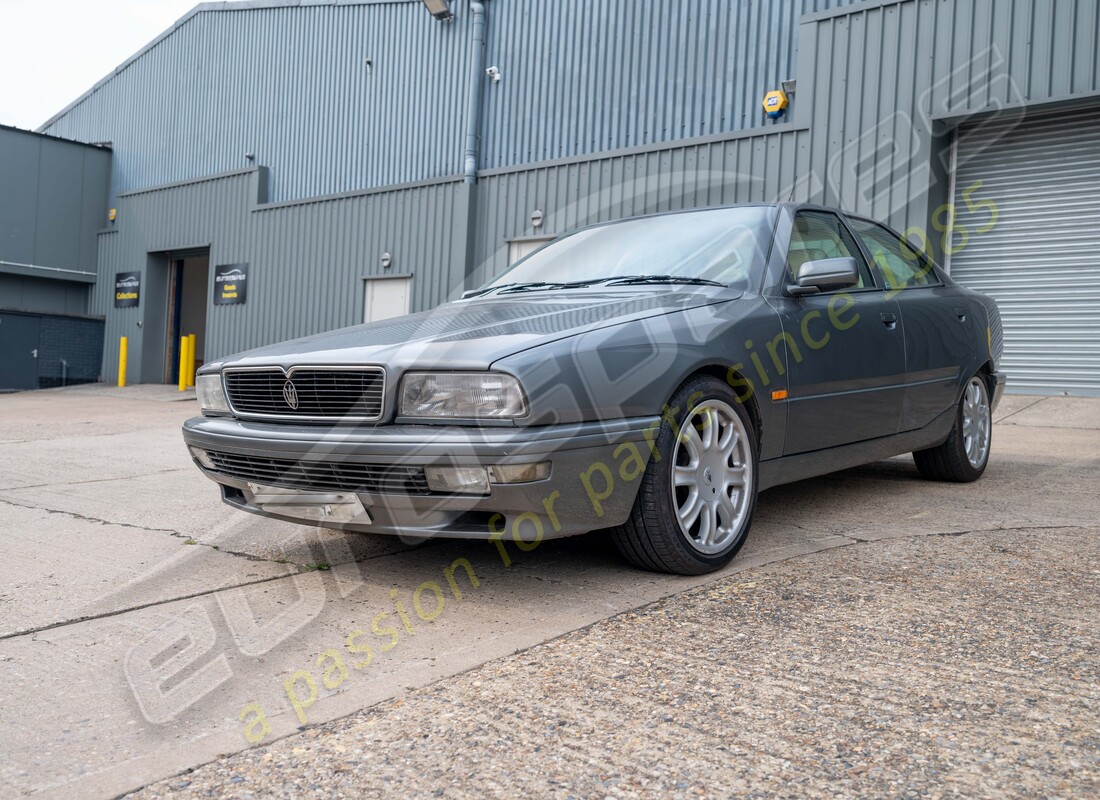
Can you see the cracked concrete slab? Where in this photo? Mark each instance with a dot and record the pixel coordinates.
(58, 569)
(919, 667)
(1014, 403)
(1058, 412)
(565, 585)
(181, 502)
(77, 459)
(110, 691)
(82, 411)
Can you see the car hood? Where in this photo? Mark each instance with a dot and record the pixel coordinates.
(472, 334)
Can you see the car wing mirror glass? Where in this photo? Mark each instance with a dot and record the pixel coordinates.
(825, 274)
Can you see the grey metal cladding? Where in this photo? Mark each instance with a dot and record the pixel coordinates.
(292, 85)
(881, 84)
(53, 198)
(308, 260)
(757, 166)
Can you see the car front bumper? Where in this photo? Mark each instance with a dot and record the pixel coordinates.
(595, 469)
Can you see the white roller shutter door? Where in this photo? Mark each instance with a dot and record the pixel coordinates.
(1041, 260)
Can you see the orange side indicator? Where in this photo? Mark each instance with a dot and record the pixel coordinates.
(779, 394)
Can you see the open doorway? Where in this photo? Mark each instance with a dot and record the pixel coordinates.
(188, 298)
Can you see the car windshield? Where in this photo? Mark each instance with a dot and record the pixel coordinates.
(721, 245)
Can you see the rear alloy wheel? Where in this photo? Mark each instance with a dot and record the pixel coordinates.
(965, 454)
(698, 493)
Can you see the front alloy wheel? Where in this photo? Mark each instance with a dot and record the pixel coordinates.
(697, 497)
(711, 473)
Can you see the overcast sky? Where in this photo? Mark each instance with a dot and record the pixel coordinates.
(52, 51)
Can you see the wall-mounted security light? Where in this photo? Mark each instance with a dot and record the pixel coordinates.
(439, 9)
(250, 157)
(536, 218)
(788, 86)
(387, 261)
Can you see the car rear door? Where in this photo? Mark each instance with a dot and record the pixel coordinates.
(938, 331)
(845, 359)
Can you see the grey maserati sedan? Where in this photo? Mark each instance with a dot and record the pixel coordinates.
(646, 378)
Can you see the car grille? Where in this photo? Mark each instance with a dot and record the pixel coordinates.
(336, 395)
(346, 476)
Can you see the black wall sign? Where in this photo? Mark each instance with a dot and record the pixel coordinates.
(127, 289)
(230, 284)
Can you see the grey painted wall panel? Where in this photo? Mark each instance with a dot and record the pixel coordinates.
(53, 197)
(292, 86)
(60, 197)
(879, 88)
(761, 168)
(24, 293)
(19, 156)
(876, 83)
(307, 261)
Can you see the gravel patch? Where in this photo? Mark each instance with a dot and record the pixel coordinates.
(937, 666)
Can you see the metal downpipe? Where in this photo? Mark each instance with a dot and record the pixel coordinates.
(473, 100)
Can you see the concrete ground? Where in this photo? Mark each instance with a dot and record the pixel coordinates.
(878, 634)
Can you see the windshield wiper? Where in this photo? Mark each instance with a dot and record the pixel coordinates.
(615, 280)
(634, 279)
(507, 288)
(536, 285)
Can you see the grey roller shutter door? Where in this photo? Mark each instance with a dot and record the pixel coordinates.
(1041, 260)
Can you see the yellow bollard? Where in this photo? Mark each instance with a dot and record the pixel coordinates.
(191, 360)
(184, 342)
(123, 353)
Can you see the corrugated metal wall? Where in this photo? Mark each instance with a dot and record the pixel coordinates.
(877, 84)
(743, 168)
(53, 198)
(586, 76)
(292, 85)
(307, 261)
(309, 258)
(879, 88)
(1028, 234)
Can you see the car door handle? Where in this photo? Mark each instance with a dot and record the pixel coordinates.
(889, 320)
(961, 314)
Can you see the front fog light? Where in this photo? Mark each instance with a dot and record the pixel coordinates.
(519, 473)
(201, 457)
(457, 480)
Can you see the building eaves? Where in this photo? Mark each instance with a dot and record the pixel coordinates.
(39, 134)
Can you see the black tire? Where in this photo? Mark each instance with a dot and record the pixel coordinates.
(952, 460)
(653, 537)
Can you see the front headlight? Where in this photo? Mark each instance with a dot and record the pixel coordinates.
(465, 395)
(210, 394)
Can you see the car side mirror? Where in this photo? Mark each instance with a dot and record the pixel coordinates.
(824, 275)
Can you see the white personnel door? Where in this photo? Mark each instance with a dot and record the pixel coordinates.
(386, 298)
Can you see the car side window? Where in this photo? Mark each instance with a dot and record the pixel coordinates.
(819, 234)
(901, 264)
